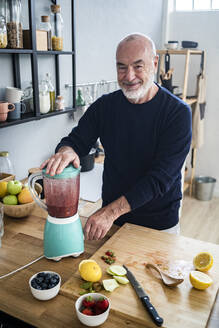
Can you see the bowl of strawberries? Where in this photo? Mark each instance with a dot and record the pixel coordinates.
(92, 309)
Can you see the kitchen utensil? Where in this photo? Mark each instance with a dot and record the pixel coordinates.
(87, 162)
(144, 298)
(16, 114)
(63, 235)
(4, 109)
(167, 279)
(172, 45)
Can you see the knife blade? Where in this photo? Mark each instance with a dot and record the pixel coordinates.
(144, 298)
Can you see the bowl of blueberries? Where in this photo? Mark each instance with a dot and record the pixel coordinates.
(45, 285)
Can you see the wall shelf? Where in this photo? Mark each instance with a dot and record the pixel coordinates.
(34, 55)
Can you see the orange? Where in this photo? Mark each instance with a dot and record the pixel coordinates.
(24, 196)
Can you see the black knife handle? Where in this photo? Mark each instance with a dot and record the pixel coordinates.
(152, 311)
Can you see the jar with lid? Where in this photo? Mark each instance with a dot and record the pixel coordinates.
(5, 163)
(3, 28)
(60, 103)
(14, 26)
(46, 26)
(44, 97)
(57, 28)
(28, 98)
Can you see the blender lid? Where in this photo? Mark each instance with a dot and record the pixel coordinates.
(69, 172)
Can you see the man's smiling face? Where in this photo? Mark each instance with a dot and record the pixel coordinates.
(136, 67)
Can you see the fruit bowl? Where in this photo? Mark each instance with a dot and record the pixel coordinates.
(91, 320)
(21, 210)
(45, 285)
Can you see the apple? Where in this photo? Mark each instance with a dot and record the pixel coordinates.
(10, 200)
(14, 187)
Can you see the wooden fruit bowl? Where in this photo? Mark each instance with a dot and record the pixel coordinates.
(21, 210)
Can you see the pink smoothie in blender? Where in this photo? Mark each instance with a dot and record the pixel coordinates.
(62, 196)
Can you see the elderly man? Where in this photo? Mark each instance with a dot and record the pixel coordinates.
(146, 135)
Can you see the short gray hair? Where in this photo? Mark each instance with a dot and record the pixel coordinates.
(149, 43)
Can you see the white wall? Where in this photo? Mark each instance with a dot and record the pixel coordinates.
(203, 28)
(99, 26)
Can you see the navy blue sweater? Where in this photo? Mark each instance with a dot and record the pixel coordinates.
(145, 147)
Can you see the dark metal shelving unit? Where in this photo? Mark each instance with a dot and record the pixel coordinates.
(34, 53)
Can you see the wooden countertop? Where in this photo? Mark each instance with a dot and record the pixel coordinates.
(23, 242)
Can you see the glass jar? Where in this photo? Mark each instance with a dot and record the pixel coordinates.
(60, 103)
(3, 32)
(5, 163)
(3, 28)
(57, 28)
(14, 26)
(28, 98)
(44, 97)
(51, 90)
(46, 26)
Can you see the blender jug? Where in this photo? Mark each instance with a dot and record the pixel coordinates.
(61, 192)
(63, 234)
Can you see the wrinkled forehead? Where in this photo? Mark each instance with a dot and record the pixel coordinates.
(133, 50)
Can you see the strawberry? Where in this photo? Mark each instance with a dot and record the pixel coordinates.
(110, 253)
(97, 310)
(102, 304)
(87, 311)
(88, 302)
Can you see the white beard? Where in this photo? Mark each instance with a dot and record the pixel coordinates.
(136, 95)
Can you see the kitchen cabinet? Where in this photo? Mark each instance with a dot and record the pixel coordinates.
(16, 54)
(187, 53)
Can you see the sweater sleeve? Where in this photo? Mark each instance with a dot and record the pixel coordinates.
(85, 134)
(172, 149)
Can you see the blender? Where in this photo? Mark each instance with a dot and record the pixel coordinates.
(63, 234)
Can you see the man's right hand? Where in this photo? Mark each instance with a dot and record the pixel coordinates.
(57, 163)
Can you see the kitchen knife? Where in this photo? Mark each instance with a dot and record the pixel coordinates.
(144, 298)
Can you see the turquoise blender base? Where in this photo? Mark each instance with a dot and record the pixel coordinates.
(63, 237)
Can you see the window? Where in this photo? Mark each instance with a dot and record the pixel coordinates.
(189, 5)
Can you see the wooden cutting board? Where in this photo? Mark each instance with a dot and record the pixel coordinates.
(181, 306)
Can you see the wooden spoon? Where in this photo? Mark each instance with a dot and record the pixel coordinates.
(167, 279)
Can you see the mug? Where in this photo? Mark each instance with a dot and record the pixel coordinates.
(4, 110)
(16, 114)
(13, 95)
(1, 222)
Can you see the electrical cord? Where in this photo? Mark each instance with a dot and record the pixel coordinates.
(21, 268)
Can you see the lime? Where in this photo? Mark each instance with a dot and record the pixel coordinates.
(117, 270)
(121, 280)
(110, 284)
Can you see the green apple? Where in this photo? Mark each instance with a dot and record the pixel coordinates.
(14, 187)
(10, 200)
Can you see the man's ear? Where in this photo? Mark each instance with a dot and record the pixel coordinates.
(156, 60)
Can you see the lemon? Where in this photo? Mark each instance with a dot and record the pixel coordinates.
(203, 261)
(200, 280)
(90, 270)
(3, 189)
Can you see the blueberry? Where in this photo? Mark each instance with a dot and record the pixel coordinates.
(33, 284)
(56, 277)
(48, 275)
(38, 287)
(44, 286)
(41, 274)
(53, 281)
(39, 280)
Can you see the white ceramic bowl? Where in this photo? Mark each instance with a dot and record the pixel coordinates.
(173, 45)
(45, 294)
(91, 320)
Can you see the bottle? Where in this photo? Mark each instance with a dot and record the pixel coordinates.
(44, 97)
(57, 28)
(14, 27)
(46, 26)
(80, 100)
(51, 90)
(5, 163)
(60, 103)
